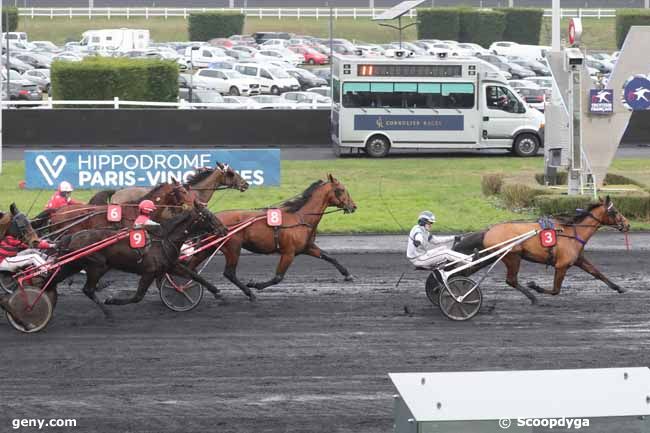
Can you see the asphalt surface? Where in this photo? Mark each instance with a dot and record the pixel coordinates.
(308, 153)
(313, 353)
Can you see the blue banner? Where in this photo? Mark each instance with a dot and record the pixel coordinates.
(111, 169)
(601, 101)
(372, 122)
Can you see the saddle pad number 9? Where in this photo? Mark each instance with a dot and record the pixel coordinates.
(548, 238)
(137, 239)
(114, 213)
(274, 217)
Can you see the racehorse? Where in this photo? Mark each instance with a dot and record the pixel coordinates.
(572, 236)
(300, 219)
(158, 258)
(169, 200)
(205, 181)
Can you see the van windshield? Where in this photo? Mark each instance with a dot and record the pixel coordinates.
(279, 73)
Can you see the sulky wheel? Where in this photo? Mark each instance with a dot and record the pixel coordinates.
(464, 301)
(432, 289)
(180, 296)
(32, 317)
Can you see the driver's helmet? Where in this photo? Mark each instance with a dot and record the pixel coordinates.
(426, 217)
(146, 207)
(65, 186)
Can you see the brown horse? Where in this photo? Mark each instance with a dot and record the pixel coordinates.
(205, 181)
(572, 236)
(169, 199)
(300, 219)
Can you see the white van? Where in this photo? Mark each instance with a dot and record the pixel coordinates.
(272, 79)
(531, 52)
(205, 55)
(115, 40)
(428, 103)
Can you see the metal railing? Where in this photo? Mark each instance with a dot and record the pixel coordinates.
(279, 13)
(118, 103)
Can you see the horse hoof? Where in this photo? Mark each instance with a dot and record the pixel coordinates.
(108, 301)
(533, 301)
(620, 290)
(252, 297)
(349, 278)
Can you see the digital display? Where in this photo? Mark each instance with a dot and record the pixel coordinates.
(403, 70)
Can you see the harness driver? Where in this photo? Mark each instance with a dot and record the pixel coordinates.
(426, 250)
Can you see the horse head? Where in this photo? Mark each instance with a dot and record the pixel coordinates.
(205, 221)
(20, 228)
(612, 216)
(339, 196)
(231, 178)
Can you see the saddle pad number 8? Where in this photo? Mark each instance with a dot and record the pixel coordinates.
(137, 239)
(548, 238)
(274, 217)
(114, 213)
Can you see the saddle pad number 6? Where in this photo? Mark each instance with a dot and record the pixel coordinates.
(137, 239)
(274, 217)
(548, 238)
(114, 213)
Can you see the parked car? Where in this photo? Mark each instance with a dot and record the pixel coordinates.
(200, 95)
(223, 64)
(204, 55)
(22, 90)
(246, 49)
(501, 62)
(523, 83)
(47, 45)
(473, 48)
(40, 77)
(68, 57)
(272, 79)
(221, 43)
(323, 91)
(240, 56)
(543, 82)
(306, 78)
(226, 81)
(536, 98)
(306, 98)
(279, 54)
(274, 43)
(271, 102)
(538, 68)
(16, 64)
(531, 52)
(261, 37)
(310, 55)
(243, 40)
(601, 66)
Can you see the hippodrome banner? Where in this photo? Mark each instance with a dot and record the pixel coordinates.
(100, 169)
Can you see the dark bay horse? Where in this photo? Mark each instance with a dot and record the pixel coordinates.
(300, 219)
(572, 236)
(205, 181)
(160, 257)
(170, 199)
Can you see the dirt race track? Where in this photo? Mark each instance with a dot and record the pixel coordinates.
(312, 354)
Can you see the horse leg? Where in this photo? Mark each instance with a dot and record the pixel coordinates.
(315, 251)
(231, 253)
(143, 286)
(512, 263)
(183, 271)
(589, 268)
(285, 261)
(93, 275)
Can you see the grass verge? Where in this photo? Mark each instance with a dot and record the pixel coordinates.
(389, 193)
(597, 34)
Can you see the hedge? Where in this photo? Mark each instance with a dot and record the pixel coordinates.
(633, 206)
(481, 26)
(13, 19)
(101, 78)
(209, 25)
(626, 18)
(438, 23)
(523, 25)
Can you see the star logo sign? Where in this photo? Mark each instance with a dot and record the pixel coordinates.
(636, 93)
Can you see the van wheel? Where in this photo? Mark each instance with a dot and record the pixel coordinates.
(526, 145)
(377, 146)
(234, 91)
(275, 90)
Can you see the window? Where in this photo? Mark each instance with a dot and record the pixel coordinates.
(207, 53)
(95, 39)
(336, 92)
(501, 98)
(408, 95)
(109, 38)
(265, 74)
(247, 70)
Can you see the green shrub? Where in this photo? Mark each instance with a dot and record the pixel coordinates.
(438, 23)
(522, 25)
(491, 184)
(481, 26)
(626, 18)
(634, 206)
(100, 78)
(209, 25)
(13, 19)
(610, 179)
(519, 196)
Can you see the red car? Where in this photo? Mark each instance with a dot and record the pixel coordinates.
(221, 42)
(312, 56)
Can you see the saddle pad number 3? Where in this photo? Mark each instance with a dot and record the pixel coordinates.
(137, 239)
(274, 217)
(114, 213)
(548, 238)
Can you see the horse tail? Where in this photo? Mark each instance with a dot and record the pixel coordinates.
(102, 197)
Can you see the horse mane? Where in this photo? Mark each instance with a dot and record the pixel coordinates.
(295, 204)
(150, 194)
(578, 217)
(199, 175)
